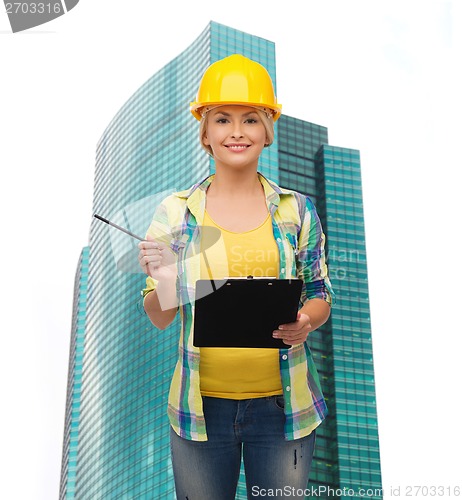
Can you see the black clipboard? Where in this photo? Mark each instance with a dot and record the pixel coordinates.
(243, 312)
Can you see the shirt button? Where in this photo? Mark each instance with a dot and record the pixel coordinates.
(279, 240)
(284, 356)
(288, 388)
(283, 270)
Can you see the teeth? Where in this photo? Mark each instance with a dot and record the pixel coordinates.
(237, 147)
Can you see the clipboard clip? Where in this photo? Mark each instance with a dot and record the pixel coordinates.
(250, 277)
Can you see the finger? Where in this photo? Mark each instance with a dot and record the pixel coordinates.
(296, 325)
(294, 342)
(302, 321)
(148, 251)
(151, 268)
(153, 243)
(295, 339)
(291, 334)
(148, 240)
(289, 327)
(148, 245)
(155, 260)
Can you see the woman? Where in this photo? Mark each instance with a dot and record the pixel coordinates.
(262, 403)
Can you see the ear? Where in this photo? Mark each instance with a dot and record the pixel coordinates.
(205, 140)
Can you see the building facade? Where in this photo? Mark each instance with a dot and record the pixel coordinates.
(116, 443)
(74, 380)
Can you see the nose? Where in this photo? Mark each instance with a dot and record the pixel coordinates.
(237, 132)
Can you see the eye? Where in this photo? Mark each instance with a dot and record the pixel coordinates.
(251, 120)
(222, 120)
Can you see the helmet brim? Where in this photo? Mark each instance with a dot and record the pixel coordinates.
(196, 108)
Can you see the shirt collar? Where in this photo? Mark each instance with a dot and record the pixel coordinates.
(195, 195)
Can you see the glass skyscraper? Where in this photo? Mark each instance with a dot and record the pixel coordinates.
(71, 424)
(116, 443)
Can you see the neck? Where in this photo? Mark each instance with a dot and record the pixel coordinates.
(235, 184)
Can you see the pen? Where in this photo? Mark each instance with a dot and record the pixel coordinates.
(118, 227)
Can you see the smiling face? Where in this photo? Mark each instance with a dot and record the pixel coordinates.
(236, 135)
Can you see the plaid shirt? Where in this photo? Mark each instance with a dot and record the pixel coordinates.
(300, 240)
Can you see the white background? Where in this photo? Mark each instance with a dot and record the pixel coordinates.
(383, 76)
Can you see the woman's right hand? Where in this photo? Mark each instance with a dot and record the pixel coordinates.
(157, 260)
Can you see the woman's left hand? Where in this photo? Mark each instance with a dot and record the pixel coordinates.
(296, 332)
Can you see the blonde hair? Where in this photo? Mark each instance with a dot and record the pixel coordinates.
(266, 119)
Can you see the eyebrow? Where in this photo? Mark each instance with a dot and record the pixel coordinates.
(228, 114)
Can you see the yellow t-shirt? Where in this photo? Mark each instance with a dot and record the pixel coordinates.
(239, 373)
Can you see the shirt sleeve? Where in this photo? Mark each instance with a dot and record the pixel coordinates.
(151, 285)
(311, 258)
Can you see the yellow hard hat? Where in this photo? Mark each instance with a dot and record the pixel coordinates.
(236, 80)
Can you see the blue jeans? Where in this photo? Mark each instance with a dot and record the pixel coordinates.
(274, 467)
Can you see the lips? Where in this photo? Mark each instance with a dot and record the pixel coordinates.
(237, 147)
